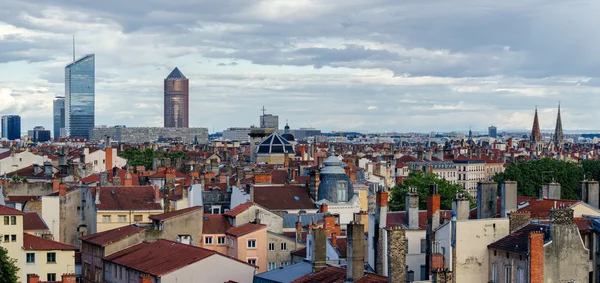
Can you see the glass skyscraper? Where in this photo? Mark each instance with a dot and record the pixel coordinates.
(80, 97)
(11, 127)
(59, 116)
(176, 100)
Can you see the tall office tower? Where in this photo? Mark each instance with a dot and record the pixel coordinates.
(59, 116)
(176, 100)
(493, 132)
(269, 121)
(39, 134)
(11, 127)
(80, 97)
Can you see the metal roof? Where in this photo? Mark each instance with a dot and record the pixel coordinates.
(289, 220)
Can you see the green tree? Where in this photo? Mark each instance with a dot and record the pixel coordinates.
(591, 169)
(531, 175)
(421, 181)
(136, 157)
(8, 267)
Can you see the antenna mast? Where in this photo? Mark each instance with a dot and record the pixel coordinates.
(73, 48)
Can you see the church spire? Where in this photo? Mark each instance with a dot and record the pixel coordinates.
(536, 134)
(558, 131)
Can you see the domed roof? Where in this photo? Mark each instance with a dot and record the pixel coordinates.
(275, 144)
(333, 166)
(288, 137)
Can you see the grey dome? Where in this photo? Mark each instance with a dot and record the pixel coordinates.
(335, 185)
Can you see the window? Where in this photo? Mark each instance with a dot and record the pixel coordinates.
(221, 240)
(13, 220)
(284, 246)
(271, 247)
(51, 277)
(105, 218)
(423, 273)
(6, 218)
(137, 218)
(494, 273)
(252, 244)
(30, 257)
(51, 257)
(208, 240)
(423, 246)
(520, 275)
(122, 218)
(252, 260)
(6, 238)
(13, 238)
(342, 191)
(508, 274)
(216, 210)
(285, 263)
(272, 265)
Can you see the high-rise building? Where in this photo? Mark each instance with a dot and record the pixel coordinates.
(493, 132)
(11, 127)
(39, 134)
(269, 121)
(59, 116)
(80, 97)
(176, 100)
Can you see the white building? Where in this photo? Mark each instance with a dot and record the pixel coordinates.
(14, 160)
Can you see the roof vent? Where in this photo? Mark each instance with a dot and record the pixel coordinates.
(205, 218)
(296, 198)
(113, 192)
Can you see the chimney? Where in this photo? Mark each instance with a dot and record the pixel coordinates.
(145, 278)
(589, 193)
(97, 195)
(333, 239)
(48, 169)
(36, 168)
(536, 257)
(298, 230)
(319, 250)
(128, 182)
(257, 216)
(62, 190)
(104, 179)
(156, 194)
(33, 278)
(116, 181)
(551, 191)
(108, 157)
(68, 278)
(323, 208)
(460, 206)
(55, 185)
(396, 255)
(508, 198)
(433, 207)
(355, 252)
(330, 225)
(518, 219)
(487, 200)
(251, 193)
(412, 209)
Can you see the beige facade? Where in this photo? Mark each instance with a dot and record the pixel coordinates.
(273, 221)
(64, 263)
(110, 219)
(11, 231)
(279, 250)
(20, 160)
(493, 168)
(469, 174)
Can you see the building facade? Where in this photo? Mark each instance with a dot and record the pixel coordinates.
(80, 96)
(237, 134)
(493, 132)
(151, 134)
(39, 134)
(58, 112)
(269, 121)
(11, 127)
(176, 100)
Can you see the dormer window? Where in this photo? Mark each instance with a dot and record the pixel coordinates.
(342, 191)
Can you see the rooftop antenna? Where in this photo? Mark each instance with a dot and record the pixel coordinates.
(73, 48)
(262, 120)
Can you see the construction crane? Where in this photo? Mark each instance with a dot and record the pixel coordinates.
(340, 132)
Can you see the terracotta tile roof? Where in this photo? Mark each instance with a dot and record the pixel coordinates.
(583, 224)
(35, 243)
(29, 172)
(302, 179)
(161, 175)
(334, 274)
(239, 209)
(463, 158)
(215, 224)
(300, 252)
(283, 197)
(5, 210)
(33, 221)
(279, 176)
(20, 198)
(541, 208)
(292, 235)
(518, 241)
(175, 213)
(127, 198)
(111, 236)
(400, 164)
(94, 178)
(8, 153)
(398, 218)
(245, 229)
(159, 258)
(341, 246)
(408, 158)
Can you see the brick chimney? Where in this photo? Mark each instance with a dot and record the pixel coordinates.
(62, 189)
(536, 257)
(433, 223)
(396, 251)
(298, 230)
(319, 250)
(145, 278)
(55, 185)
(33, 278)
(108, 156)
(355, 252)
(157, 198)
(68, 278)
(330, 224)
(333, 239)
(323, 208)
(380, 237)
(128, 182)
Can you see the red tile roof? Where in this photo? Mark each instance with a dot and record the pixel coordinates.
(398, 218)
(111, 236)
(162, 174)
(175, 213)
(279, 176)
(517, 242)
(341, 246)
(239, 209)
(33, 221)
(20, 198)
(541, 208)
(283, 197)
(29, 172)
(8, 153)
(127, 198)
(334, 274)
(35, 243)
(160, 258)
(245, 229)
(5, 210)
(215, 224)
(300, 252)
(292, 235)
(408, 158)
(583, 224)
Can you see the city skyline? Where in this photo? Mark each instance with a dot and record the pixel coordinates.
(380, 66)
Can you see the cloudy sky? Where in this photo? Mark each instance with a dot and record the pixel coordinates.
(376, 65)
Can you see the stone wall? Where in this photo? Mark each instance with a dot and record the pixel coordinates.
(396, 255)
